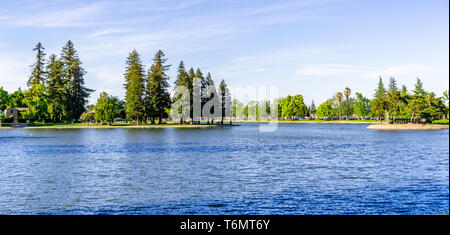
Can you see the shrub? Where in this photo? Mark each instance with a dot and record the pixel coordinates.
(440, 122)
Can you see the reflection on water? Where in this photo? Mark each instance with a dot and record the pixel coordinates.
(299, 169)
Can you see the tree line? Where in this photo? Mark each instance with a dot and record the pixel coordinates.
(56, 91)
(391, 104)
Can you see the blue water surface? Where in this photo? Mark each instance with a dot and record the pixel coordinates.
(298, 169)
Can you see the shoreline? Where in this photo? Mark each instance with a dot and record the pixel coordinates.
(114, 127)
(408, 127)
(309, 121)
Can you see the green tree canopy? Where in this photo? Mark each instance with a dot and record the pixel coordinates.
(362, 105)
(134, 87)
(76, 91)
(157, 88)
(326, 110)
(106, 108)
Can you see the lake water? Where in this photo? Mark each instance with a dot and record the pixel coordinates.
(298, 169)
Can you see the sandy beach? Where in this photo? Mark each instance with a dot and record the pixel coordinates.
(407, 127)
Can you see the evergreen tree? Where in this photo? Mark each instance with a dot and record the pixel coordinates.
(35, 97)
(417, 101)
(198, 80)
(225, 99)
(434, 108)
(392, 99)
(182, 81)
(208, 90)
(76, 92)
(312, 108)
(419, 88)
(38, 73)
(207, 81)
(134, 87)
(55, 89)
(4, 99)
(191, 76)
(403, 103)
(379, 100)
(157, 87)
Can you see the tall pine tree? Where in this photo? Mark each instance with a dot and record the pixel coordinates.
(134, 87)
(76, 92)
(379, 102)
(35, 97)
(225, 99)
(55, 89)
(38, 72)
(182, 81)
(157, 88)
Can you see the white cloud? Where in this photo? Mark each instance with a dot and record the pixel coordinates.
(106, 74)
(73, 17)
(109, 31)
(410, 70)
(287, 5)
(329, 69)
(14, 72)
(257, 70)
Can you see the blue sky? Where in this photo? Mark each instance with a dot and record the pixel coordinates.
(314, 48)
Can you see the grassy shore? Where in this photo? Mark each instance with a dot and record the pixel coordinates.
(113, 125)
(409, 126)
(314, 121)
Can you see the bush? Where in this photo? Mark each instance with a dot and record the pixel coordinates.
(440, 122)
(8, 120)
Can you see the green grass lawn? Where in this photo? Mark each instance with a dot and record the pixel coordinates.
(99, 124)
(440, 122)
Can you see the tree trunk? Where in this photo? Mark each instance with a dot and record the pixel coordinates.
(346, 115)
(387, 117)
(340, 112)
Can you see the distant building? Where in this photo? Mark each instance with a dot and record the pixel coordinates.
(14, 113)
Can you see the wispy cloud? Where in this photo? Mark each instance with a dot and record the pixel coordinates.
(286, 5)
(409, 70)
(257, 70)
(73, 17)
(109, 31)
(330, 69)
